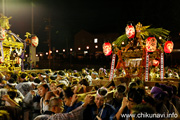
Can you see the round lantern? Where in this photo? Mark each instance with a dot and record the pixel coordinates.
(155, 63)
(2, 33)
(168, 46)
(107, 48)
(18, 60)
(151, 44)
(35, 41)
(130, 31)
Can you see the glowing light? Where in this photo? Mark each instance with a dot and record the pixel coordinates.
(35, 41)
(85, 52)
(168, 46)
(130, 31)
(95, 40)
(107, 48)
(151, 44)
(155, 63)
(160, 37)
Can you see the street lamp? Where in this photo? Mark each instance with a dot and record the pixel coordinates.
(64, 50)
(95, 40)
(122, 43)
(87, 47)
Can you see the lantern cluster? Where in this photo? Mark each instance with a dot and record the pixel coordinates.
(107, 49)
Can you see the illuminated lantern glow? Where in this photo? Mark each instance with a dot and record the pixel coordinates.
(107, 49)
(168, 46)
(35, 41)
(2, 34)
(151, 44)
(155, 63)
(18, 60)
(130, 31)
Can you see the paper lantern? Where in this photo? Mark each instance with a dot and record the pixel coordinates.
(18, 60)
(130, 31)
(107, 48)
(35, 41)
(155, 63)
(151, 44)
(2, 33)
(168, 46)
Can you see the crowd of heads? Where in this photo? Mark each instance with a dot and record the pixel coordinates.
(64, 90)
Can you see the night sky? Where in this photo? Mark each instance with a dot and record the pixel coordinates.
(95, 16)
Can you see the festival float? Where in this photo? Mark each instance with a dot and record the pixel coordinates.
(140, 48)
(12, 47)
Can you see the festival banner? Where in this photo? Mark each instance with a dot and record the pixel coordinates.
(162, 67)
(112, 67)
(147, 67)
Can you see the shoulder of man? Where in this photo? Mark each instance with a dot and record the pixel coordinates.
(42, 117)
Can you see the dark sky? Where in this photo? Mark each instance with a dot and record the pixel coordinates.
(96, 16)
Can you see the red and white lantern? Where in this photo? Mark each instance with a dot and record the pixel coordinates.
(155, 63)
(107, 49)
(168, 46)
(35, 41)
(151, 44)
(2, 34)
(18, 60)
(130, 31)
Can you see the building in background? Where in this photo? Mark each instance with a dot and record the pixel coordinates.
(91, 44)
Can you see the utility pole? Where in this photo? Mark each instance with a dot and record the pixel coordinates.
(48, 29)
(32, 49)
(3, 7)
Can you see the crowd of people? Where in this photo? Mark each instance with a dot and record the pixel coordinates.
(71, 95)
